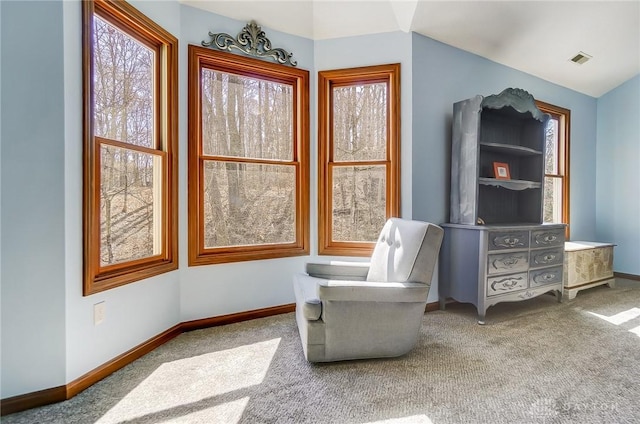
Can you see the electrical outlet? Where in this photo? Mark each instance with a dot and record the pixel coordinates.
(98, 313)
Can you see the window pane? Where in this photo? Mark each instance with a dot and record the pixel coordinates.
(123, 86)
(248, 204)
(359, 203)
(130, 209)
(246, 117)
(551, 153)
(553, 199)
(360, 122)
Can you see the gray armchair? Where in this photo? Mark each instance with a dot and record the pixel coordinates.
(355, 310)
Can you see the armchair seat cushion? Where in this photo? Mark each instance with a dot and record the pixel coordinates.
(339, 270)
(365, 291)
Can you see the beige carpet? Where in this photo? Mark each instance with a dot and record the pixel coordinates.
(533, 362)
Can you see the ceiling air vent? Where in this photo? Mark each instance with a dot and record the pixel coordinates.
(580, 58)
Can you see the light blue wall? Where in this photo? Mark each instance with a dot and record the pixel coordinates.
(214, 290)
(618, 174)
(376, 49)
(33, 224)
(135, 312)
(444, 75)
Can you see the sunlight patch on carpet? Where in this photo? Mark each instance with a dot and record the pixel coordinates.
(635, 331)
(227, 413)
(179, 385)
(414, 419)
(621, 318)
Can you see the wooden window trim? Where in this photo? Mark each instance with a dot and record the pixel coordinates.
(200, 57)
(97, 278)
(563, 161)
(327, 80)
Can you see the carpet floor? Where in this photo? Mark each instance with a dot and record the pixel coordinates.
(535, 361)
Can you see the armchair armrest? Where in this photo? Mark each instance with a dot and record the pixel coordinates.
(366, 291)
(354, 271)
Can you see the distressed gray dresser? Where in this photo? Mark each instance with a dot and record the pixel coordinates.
(488, 264)
(495, 248)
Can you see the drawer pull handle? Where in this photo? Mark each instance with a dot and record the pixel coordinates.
(505, 284)
(507, 242)
(508, 262)
(545, 259)
(546, 238)
(547, 276)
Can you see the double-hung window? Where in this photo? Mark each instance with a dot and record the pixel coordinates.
(359, 156)
(130, 136)
(556, 183)
(248, 158)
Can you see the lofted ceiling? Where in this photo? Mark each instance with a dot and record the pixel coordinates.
(536, 37)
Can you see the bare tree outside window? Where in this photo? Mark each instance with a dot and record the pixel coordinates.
(552, 184)
(359, 134)
(247, 118)
(123, 81)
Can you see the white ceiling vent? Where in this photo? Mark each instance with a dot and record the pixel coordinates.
(580, 58)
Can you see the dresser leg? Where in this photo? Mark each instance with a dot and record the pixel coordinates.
(481, 315)
(559, 295)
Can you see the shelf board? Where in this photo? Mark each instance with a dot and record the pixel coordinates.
(509, 184)
(509, 149)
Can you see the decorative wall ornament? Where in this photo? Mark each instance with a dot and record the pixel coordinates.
(251, 41)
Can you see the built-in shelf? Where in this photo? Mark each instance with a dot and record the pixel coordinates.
(509, 149)
(509, 184)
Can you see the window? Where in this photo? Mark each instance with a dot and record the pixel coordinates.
(556, 184)
(359, 156)
(248, 158)
(130, 136)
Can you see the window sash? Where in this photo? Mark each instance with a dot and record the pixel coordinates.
(275, 89)
(159, 205)
(156, 49)
(333, 155)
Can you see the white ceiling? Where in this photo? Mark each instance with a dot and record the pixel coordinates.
(537, 37)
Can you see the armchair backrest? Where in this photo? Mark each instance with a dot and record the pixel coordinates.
(406, 250)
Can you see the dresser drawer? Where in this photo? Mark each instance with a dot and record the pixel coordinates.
(547, 238)
(506, 283)
(507, 262)
(516, 239)
(542, 277)
(546, 257)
